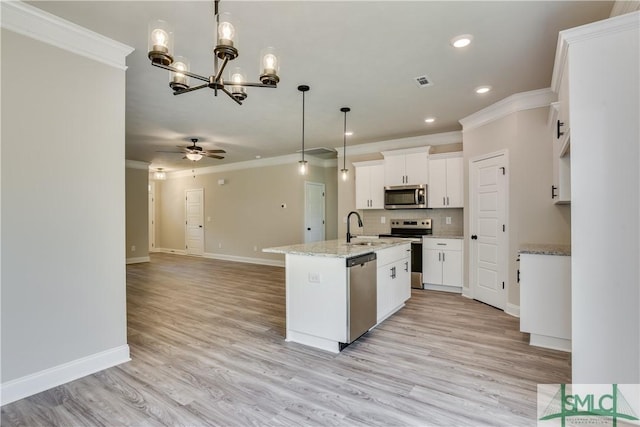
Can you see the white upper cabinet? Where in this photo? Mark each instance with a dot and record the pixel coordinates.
(369, 185)
(446, 189)
(406, 167)
(560, 135)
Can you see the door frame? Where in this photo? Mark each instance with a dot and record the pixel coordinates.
(151, 218)
(324, 210)
(504, 257)
(186, 235)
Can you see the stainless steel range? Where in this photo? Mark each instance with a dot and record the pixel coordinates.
(412, 229)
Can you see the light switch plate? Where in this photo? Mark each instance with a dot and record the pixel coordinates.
(383, 220)
(448, 220)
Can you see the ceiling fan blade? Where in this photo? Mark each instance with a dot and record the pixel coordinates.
(213, 156)
(174, 152)
(214, 151)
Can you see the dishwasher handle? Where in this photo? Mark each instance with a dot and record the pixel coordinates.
(361, 259)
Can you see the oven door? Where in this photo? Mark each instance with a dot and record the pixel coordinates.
(416, 264)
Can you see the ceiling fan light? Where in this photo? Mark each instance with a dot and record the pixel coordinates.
(160, 42)
(269, 66)
(194, 156)
(179, 81)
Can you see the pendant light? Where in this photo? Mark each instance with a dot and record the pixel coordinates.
(160, 174)
(303, 162)
(344, 170)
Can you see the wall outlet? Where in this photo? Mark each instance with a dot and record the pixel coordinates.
(344, 220)
(220, 245)
(133, 248)
(448, 220)
(383, 220)
(315, 277)
(255, 248)
(208, 219)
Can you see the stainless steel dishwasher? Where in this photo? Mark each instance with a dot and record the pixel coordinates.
(362, 305)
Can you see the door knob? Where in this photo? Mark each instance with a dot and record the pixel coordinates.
(308, 228)
(200, 226)
(474, 237)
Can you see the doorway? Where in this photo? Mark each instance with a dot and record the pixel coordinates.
(314, 215)
(488, 222)
(194, 221)
(152, 216)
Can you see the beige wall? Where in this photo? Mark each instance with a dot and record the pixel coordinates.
(246, 211)
(137, 208)
(63, 210)
(533, 218)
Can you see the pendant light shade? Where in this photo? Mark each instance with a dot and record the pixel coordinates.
(160, 174)
(303, 163)
(344, 170)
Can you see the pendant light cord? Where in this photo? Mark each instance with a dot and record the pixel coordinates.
(303, 126)
(344, 146)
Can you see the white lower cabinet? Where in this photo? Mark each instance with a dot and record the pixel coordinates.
(394, 279)
(442, 264)
(545, 300)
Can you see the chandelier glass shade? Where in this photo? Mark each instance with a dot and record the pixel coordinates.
(193, 156)
(160, 53)
(302, 164)
(160, 174)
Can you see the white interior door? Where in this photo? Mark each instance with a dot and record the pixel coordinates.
(194, 223)
(487, 270)
(152, 217)
(314, 206)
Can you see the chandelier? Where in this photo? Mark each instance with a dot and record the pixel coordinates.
(161, 55)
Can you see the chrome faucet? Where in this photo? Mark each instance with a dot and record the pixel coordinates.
(349, 224)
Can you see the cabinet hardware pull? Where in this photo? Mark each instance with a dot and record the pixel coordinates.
(439, 256)
(442, 256)
(558, 126)
(553, 191)
(406, 266)
(474, 237)
(447, 200)
(443, 202)
(393, 272)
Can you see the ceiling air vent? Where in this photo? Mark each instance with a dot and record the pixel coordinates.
(322, 152)
(423, 81)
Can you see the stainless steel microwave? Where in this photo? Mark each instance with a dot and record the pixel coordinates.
(405, 197)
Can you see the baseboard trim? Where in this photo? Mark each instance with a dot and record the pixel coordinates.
(248, 260)
(44, 380)
(452, 289)
(171, 251)
(466, 292)
(552, 343)
(138, 260)
(512, 309)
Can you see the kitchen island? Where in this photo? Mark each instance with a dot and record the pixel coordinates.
(318, 287)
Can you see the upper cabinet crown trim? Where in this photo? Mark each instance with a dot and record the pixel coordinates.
(404, 151)
(40, 25)
(450, 155)
(511, 104)
(369, 163)
(403, 143)
(586, 32)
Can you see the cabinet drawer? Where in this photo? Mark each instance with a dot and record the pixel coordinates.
(389, 255)
(437, 243)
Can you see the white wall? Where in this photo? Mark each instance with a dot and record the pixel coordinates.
(137, 209)
(63, 216)
(605, 197)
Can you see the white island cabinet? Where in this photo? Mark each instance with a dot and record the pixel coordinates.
(317, 287)
(545, 295)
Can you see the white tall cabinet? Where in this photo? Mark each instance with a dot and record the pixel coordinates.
(446, 189)
(369, 184)
(603, 60)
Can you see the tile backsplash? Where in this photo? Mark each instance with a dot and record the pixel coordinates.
(373, 224)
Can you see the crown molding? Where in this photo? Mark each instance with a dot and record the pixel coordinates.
(621, 7)
(402, 143)
(511, 104)
(37, 24)
(135, 164)
(586, 32)
(250, 164)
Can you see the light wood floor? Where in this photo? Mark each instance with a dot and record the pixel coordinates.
(207, 345)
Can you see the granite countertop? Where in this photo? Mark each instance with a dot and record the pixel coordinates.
(545, 249)
(444, 236)
(338, 248)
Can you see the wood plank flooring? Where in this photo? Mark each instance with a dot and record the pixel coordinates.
(207, 346)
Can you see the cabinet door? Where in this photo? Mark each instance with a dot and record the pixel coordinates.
(403, 287)
(452, 268)
(437, 190)
(384, 291)
(454, 182)
(394, 170)
(416, 168)
(376, 187)
(363, 185)
(432, 266)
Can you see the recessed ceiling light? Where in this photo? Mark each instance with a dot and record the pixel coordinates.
(348, 133)
(461, 40)
(483, 89)
(258, 157)
(430, 120)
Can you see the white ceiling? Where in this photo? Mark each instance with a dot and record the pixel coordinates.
(360, 54)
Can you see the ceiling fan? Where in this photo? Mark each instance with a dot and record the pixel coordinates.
(194, 152)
